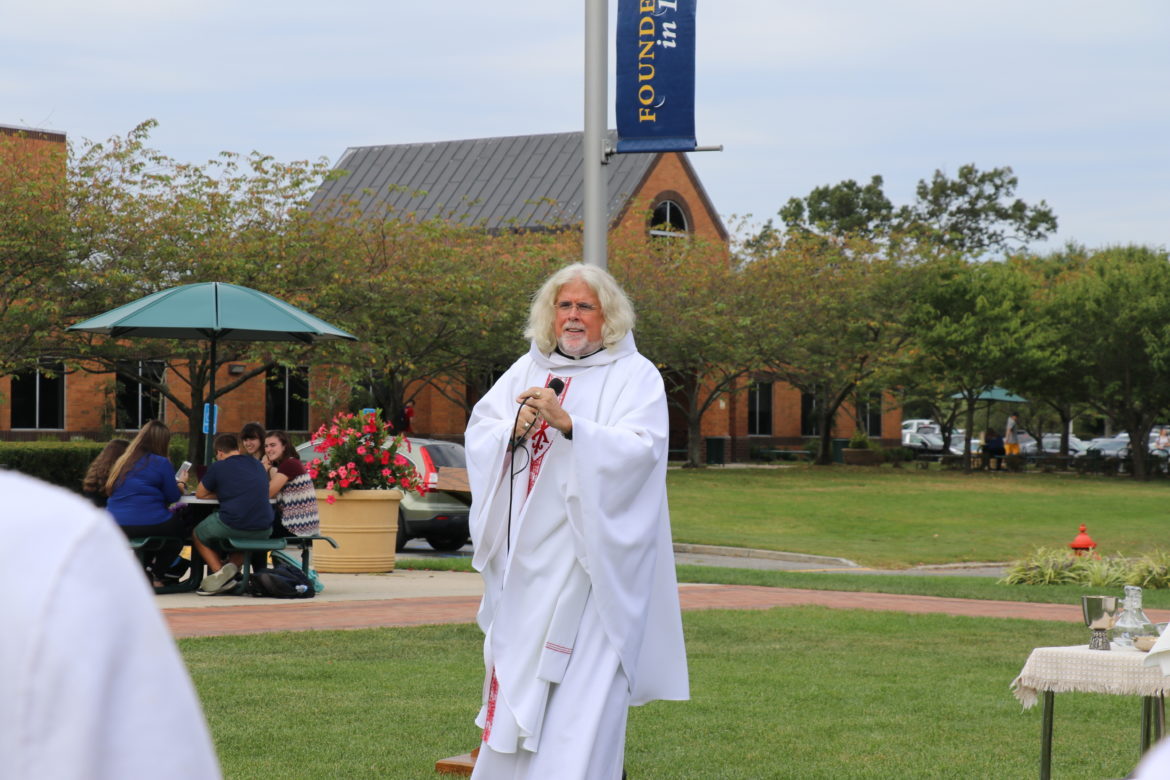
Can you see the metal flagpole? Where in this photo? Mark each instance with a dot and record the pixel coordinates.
(595, 140)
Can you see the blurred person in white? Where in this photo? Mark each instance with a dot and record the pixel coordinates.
(91, 683)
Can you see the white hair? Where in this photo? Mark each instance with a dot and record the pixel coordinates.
(616, 311)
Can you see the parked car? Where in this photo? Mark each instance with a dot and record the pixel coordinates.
(1051, 442)
(439, 517)
(915, 426)
(1108, 448)
(928, 444)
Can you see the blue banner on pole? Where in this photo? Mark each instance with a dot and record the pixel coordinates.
(656, 75)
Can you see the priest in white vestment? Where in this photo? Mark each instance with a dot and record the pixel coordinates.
(567, 463)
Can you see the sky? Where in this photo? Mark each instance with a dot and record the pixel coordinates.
(1074, 96)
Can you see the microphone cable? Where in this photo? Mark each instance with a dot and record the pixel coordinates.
(556, 384)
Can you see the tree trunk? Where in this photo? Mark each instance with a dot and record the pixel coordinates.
(967, 437)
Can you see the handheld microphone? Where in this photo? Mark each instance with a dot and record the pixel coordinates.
(556, 385)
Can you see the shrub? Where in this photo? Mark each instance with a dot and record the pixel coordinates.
(859, 441)
(61, 463)
(1108, 572)
(1046, 566)
(1150, 571)
(897, 455)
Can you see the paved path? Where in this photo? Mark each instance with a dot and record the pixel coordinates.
(267, 615)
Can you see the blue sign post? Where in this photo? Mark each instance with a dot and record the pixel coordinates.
(656, 76)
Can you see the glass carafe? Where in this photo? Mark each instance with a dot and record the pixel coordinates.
(1132, 623)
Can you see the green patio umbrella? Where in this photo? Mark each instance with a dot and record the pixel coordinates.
(213, 311)
(996, 394)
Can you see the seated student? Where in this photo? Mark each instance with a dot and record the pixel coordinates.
(142, 488)
(241, 485)
(93, 486)
(252, 440)
(290, 483)
(992, 448)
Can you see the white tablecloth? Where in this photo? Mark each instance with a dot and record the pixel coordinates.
(1077, 668)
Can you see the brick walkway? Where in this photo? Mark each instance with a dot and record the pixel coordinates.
(315, 616)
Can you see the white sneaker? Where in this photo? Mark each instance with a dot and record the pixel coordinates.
(219, 581)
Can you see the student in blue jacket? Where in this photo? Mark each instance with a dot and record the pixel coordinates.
(142, 488)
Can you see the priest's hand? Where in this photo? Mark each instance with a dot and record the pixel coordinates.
(547, 407)
(525, 422)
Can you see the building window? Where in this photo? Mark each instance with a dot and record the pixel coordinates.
(810, 425)
(287, 399)
(38, 397)
(669, 220)
(136, 402)
(870, 414)
(760, 409)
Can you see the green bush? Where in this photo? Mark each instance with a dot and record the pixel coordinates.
(64, 463)
(1047, 566)
(1150, 571)
(898, 454)
(61, 463)
(859, 441)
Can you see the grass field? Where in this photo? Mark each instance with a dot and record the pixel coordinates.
(783, 693)
(896, 518)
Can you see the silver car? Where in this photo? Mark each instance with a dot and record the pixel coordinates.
(438, 517)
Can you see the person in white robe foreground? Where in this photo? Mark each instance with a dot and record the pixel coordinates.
(567, 464)
(92, 686)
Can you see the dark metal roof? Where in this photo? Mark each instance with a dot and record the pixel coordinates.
(528, 181)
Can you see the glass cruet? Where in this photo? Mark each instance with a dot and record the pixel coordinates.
(1132, 623)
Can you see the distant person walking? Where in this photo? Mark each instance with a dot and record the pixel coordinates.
(1011, 436)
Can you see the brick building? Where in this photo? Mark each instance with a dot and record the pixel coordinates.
(527, 183)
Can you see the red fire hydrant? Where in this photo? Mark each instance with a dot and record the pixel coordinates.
(1083, 543)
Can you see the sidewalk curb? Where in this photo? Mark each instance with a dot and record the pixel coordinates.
(773, 555)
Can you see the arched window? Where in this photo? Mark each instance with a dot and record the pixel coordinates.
(669, 219)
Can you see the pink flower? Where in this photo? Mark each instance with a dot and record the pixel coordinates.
(400, 460)
(361, 450)
(387, 473)
(329, 499)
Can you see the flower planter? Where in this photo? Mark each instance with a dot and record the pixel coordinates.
(364, 523)
(862, 457)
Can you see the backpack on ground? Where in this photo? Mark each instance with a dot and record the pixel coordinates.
(283, 557)
(281, 582)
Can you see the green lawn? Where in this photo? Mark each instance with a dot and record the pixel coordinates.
(896, 518)
(796, 692)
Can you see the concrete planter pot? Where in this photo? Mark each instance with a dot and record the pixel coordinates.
(861, 457)
(364, 523)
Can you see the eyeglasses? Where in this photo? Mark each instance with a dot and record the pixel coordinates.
(583, 308)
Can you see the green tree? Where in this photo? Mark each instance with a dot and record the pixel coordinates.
(692, 310)
(33, 233)
(827, 319)
(844, 209)
(973, 214)
(141, 222)
(1120, 336)
(971, 326)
